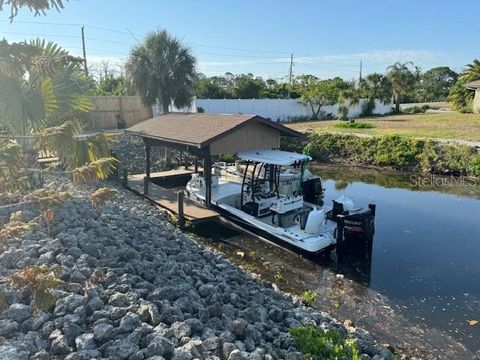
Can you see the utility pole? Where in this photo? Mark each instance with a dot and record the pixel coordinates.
(360, 76)
(84, 52)
(290, 76)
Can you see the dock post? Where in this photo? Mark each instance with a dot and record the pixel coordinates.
(373, 208)
(340, 238)
(146, 180)
(181, 217)
(125, 178)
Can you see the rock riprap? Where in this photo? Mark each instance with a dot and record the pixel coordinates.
(135, 287)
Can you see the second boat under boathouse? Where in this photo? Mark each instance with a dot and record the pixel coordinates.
(200, 137)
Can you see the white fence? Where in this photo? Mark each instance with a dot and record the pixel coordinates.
(277, 109)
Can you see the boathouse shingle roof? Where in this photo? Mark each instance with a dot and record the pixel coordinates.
(473, 85)
(199, 129)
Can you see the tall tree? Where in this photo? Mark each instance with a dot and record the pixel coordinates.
(471, 72)
(38, 7)
(435, 84)
(210, 87)
(319, 93)
(248, 87)
(347, 99)
(403, 79)
(163, 68)
(460, 97)
(373, 87)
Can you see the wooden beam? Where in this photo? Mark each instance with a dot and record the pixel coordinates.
(147, 159)
(207, 173)
(181, 216)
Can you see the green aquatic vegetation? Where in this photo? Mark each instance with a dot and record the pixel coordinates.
(396, 151)
(316, 344)
(309, 297)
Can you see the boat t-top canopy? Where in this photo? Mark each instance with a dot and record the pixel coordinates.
(273, 157)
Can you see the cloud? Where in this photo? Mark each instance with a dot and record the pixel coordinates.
(377, 56)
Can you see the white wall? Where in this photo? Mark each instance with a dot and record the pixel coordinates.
(277, 109)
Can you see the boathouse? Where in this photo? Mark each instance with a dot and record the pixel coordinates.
(204, 135)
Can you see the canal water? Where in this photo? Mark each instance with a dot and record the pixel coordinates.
(420, 290)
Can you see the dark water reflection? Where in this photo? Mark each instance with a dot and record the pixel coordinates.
(422, 283)
(426, 252)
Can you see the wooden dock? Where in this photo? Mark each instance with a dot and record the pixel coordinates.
(167, 198)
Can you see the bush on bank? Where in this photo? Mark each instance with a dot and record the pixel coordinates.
(396, 151)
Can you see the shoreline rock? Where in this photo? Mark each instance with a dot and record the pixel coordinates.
(138, 288)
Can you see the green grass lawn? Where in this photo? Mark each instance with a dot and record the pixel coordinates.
(441, 126)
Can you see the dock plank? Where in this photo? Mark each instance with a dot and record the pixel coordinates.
(167, 199)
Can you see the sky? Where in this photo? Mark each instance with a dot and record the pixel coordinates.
(327, 37)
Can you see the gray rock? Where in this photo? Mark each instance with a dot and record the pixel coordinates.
(121, 349)
(119, 299)
(94, 304)
(84, 355)
(8, 327)
(39, 319)
(181, 329)
(19, 312)
(238, 355)
(85, 342)
(68, 304)
(8, 352)
(196, 325)
(149, 314)
(159, 346)
(102, 332)
(71, 332)
(238, 328)
(212, 344)
(275, 314)
(41, 355)
(59, 345)
(207, 290)
(129, 322)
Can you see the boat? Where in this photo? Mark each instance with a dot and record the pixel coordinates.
(262, 201)
(290, 178)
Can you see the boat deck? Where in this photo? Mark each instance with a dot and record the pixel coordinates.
(167, 198)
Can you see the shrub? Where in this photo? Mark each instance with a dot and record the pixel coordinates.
(354, 125)
(101, 196)
(416, 109)
(391, 150)
(476, 166)
(316, 343)
(37, 281)
(309, 297)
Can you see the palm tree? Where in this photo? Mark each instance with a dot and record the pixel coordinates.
(460, 97)
(163, 68)
(472, 71)
(347, 99)
(373, 87)
(403, 80)
(40, 85)
(35, 6)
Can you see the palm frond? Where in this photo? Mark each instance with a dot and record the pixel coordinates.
(96, 170)
(38, 7)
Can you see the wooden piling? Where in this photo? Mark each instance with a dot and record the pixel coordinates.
(181, 217)
(340, 238)
(146, 180)
(125, 178)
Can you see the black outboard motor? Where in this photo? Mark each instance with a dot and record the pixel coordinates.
(360, 223)
(312, 191)
(355, 228)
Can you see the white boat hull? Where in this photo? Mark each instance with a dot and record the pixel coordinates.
(293, 235)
